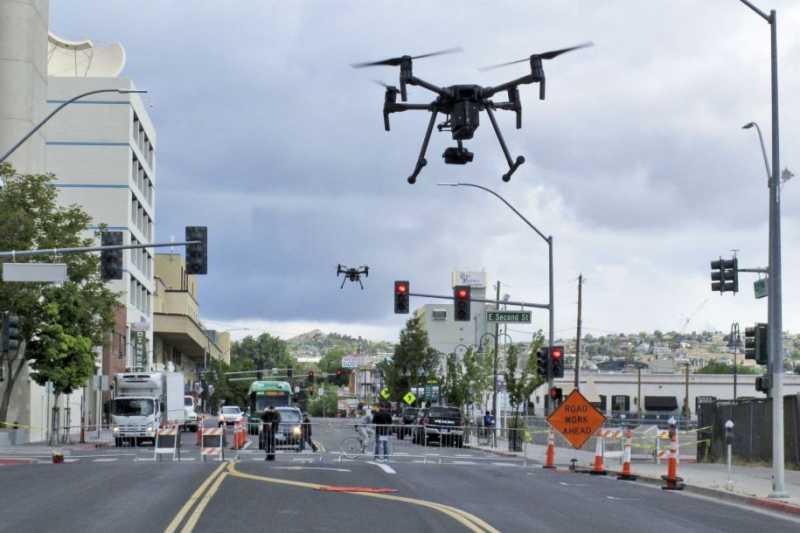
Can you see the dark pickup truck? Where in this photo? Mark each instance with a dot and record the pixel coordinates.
(444, 425)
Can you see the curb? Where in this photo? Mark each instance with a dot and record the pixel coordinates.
(754, 501)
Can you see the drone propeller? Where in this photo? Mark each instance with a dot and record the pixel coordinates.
(552, 54)
(396, 61)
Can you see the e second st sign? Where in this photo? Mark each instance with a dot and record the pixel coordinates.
(576, 419)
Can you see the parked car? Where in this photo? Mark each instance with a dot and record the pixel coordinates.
(230, 414)
(409, 418)
(441, 424)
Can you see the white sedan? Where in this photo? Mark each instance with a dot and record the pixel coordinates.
(230, 414)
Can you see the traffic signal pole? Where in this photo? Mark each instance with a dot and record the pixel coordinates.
(13, 254)
(774, 283)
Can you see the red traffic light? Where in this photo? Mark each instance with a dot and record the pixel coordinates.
(338, 372)
(462, 293)
(400, 287)
(557, 353)
(554, 393)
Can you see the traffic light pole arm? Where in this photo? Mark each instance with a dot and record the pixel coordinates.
(86, 249)
(480, 300)
(756, 270)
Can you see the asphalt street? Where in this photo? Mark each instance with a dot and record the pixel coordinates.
(427, 489)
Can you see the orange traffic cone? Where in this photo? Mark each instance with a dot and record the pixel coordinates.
(626, 458)
(673, 482)
(200, 431)
(598, 469)
(551, 450)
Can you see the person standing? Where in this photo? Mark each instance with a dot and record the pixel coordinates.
(270, 420)
(382, 421)
(305, 435)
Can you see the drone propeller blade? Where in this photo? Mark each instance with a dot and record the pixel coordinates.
(455, 50)
(492, 67)
(396, 61)
(555, 53)
(385, 85)
(546, 55)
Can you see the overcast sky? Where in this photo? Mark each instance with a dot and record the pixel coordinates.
(636, 162)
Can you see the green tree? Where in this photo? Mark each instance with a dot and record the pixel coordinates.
(520, 383)
(324, 404)
(332, 360)
(59, 325)
(265, 351)
(719, 367)
(414, 361)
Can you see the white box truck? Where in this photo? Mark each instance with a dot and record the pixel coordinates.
(144, 402)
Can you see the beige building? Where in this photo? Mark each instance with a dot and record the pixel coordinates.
(180, 340)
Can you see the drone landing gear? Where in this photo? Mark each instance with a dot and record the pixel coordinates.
(342, 285)
(512, 165)
(421, 161)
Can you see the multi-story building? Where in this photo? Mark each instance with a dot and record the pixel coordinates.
(102, 150)
(181, 342)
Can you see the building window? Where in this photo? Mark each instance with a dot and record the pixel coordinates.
(439, 314)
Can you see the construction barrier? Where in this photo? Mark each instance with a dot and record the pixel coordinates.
(167, 441)
(200, 428)
(213, 444)
(239, 436)
(673, 482)
(626, 458)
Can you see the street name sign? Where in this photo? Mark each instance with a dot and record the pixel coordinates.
(385, 394)
(760, 288)
(576, 419)
(520, 317)
(35, 272)
(410, 398)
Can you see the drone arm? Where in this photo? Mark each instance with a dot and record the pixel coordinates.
(524, 80)
(421, 162)
(512, 165)
(342, 286)
(431, 87)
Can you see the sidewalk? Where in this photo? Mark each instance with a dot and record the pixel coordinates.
(749, 482)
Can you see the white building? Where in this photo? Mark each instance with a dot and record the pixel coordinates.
(102, 152)
(444, 333)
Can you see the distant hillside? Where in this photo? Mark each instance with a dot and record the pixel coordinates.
(318, 342)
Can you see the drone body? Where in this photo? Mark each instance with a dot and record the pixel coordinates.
(462, 104)
(352, 274)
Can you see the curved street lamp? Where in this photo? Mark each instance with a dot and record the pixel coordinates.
(548, 240)
(59, 108)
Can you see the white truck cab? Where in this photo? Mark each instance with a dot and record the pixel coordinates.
(144, 402)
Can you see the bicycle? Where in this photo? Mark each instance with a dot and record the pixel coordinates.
(354, 446)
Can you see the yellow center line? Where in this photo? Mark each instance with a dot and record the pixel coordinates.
(470, 521)
(195, 516)
(173, 526)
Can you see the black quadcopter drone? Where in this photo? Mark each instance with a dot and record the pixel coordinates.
(352, 274)
(462, 104)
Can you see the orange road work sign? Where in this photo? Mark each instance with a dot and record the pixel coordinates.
(576, 419)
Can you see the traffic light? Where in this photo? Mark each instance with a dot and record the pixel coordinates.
(725, 275)
(557, 356)
(763, 384)
(461, 298)
(111, 260)
(749, 343)
(311, 390)
(556, 394)
(401, 303)
(290, 373)
(541, 363)
(310, 376)
(259, 375)
(762, 348)
(11, 333)
(197, 254)
(755, 344)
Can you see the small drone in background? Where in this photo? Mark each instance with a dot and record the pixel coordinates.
(352, 274)
(461, 104)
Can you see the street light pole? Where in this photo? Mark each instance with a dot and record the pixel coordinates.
(774, 303)
(549, 241)
(59, 108)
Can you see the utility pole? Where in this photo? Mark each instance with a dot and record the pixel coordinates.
(686, 412)
(578, 337)
(494, 364)
(734, 342)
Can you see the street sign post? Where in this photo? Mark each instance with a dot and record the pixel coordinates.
(520, 317)
(760, 288)
(410, 398)
(576, 419)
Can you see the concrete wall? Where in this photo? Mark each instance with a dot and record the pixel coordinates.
(23, 80)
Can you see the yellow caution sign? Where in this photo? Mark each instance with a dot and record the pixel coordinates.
(410, 398)
(385, 394)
